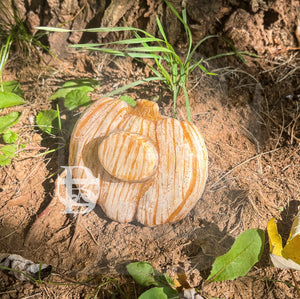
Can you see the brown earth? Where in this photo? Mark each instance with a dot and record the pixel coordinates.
(248, 115)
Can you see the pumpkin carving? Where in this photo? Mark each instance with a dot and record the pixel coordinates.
(151, 168)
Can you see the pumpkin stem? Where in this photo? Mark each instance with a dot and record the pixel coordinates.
(147, 109)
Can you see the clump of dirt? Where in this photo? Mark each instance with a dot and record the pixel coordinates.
(248, 115)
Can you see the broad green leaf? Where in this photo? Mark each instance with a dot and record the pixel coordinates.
(163, 279)
(4, 160)
(47, 121)
(13, 86)
(245, 252)
(128, 99)
(85, 85)
(160, 293)
(10, 136)
(76, 98)
(8, 99)
(9, 150)
(8, 120)
(142, 272)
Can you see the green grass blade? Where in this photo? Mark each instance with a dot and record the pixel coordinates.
(161, 29)
(133, 84)
(174, 70)
(184, 22)
(200, 42)
(4, 54)
(237, 53)
(220, 55)
(198, 63)
(155, 71)
(58, 117)
(187, 103)
(175, 95)
(249, 54)
(148, 49)
(166, 75)
(188, 32)
(103, 29)
(139, 40)
(123, 53)
(232, 53)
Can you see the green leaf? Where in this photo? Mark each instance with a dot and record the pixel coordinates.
(142, 272)
(8, 99)
(76, 98)
(10, 136)
(13, 86)
(47, 121)
(160, 293)
(4, 160)
(128, 99)
(9, 150)
(85, 85)
(243, 255)
(8, 120)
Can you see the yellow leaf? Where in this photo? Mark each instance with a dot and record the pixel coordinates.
(289, 256)
(295, 230)
(292, 248)
(275, 240)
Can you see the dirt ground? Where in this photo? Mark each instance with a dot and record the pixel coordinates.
(249, 116)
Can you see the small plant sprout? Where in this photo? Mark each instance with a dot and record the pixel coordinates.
(169, 68)
(12, 25)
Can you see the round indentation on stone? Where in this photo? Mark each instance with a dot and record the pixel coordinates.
(128, 156)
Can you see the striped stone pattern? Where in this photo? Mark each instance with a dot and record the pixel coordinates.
(129, 191)
(128, 156)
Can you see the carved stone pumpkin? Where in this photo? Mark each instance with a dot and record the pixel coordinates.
(151, 168)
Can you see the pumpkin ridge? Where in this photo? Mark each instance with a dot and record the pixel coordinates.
(78, 127)
(174, 145)
(89, 138)
(136, 151)
(117, 114)
(89, 111)
(193, 179)
(128, 152)
(158, 150)
(124, 137)
(203, 177)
